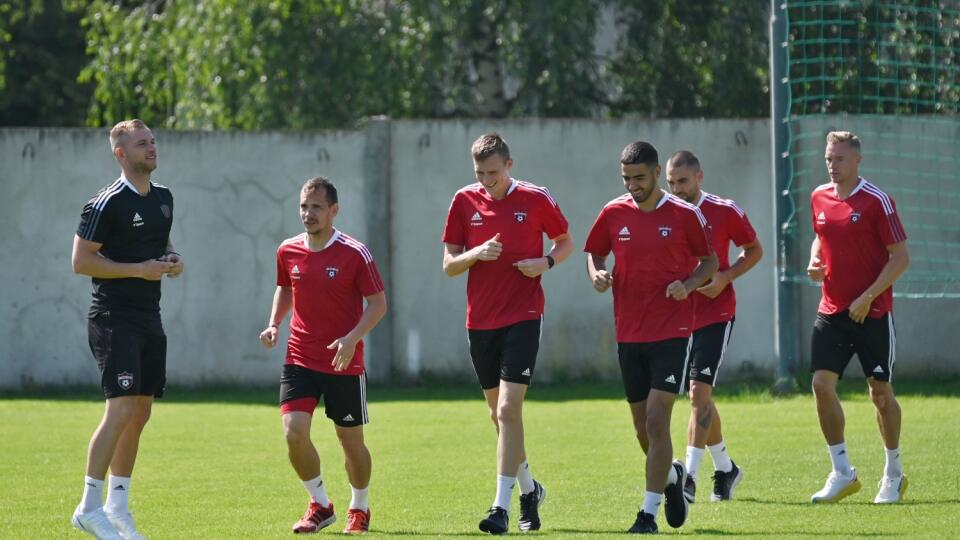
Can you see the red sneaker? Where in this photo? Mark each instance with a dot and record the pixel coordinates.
(315, 518)
(358, 521)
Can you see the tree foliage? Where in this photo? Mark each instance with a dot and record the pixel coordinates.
(266, 64)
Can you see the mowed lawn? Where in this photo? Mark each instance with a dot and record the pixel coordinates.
(213, 465)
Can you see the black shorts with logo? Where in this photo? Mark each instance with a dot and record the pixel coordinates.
(131, 354)
(508, 353)
(706, 353)
(659, 364)
(344, 396)
(837, 337)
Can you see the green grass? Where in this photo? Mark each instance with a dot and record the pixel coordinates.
(213, 464)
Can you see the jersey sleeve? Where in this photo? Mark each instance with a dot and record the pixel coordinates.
(698, 234)
(741, 231)
(554, 222)
(889, 226)
(94, 223)
(598, 239)
(283, 277)
(453, 230)
(368, 278)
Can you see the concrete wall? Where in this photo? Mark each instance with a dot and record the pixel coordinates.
(236, 199)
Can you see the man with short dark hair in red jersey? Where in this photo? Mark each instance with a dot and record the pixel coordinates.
(714, 311)
(653, 236)
(325, 276)
(495, 231)
(859, 250)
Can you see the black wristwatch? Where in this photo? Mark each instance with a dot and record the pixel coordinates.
(550, 262)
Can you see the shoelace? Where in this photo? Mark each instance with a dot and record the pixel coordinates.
(312, 514)
(357, 520)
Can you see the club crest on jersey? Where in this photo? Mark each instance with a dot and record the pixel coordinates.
(854, 217)
(476, 220)
(125, 380)
(295, 272)
(665, 231)
(520, 216)
(332, 271)
(821, 218)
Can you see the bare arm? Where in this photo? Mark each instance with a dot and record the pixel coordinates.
(457, 261)
(597, 272)
(816, 270)
(749, 257)
(896, 265)
(347, 345)
(282, 302)
(562, 248)
(679, 290)
(87, 260)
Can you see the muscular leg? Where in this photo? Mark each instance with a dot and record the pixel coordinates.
(888, 412)
(125, 453)
(117, 415)
(638, 411)
(303, 455)
(356, 456)
(702, 415)
(660, 450)
(829, 410)
(510, 447)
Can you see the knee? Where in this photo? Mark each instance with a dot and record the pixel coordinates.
(296, 435)
(141, 414)
(823, 389)
(881, 398)
(507, 413)
(657, 427)
(493, 416)
(700, 396)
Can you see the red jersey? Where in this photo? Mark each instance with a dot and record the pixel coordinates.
(498, 294)
(727, 223)
(328, 291)
(652, 250)
(854, 235)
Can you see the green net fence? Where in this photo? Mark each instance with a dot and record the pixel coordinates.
(889, 72)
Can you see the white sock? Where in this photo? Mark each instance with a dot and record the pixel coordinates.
(92, 495)
(525, 478)
(318, 492)
(893, 469)
(651, 502)
(721, 459)
(504, 491)
(359, 498)
(840, 459)
(118, 492)
(694, 456)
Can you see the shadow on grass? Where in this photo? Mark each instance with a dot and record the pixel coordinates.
(791, 534)
(459, 390)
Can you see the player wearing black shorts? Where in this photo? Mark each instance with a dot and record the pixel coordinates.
(858, 252)
(654, 237)
(123, 243)
(715, 306)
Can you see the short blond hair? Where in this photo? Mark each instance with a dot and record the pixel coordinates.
(121, 131)
(836, 137)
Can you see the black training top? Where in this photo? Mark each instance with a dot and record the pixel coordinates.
(132, 228)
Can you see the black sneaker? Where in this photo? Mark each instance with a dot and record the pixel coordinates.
(529, 506)
(690, 489)
(675, 505)
(645, 524)
(495, 522)
(725, 482)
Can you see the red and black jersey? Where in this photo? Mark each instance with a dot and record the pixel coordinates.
(498, 294)
(854, 235)
(652, 249)
(132, 228)
(727, 223)
(328, 291)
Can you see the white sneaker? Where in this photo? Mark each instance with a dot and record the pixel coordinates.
(95, 524)
(123, 523)
(891, 489)
(837, 487)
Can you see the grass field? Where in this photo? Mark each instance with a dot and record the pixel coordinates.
(213, 464)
